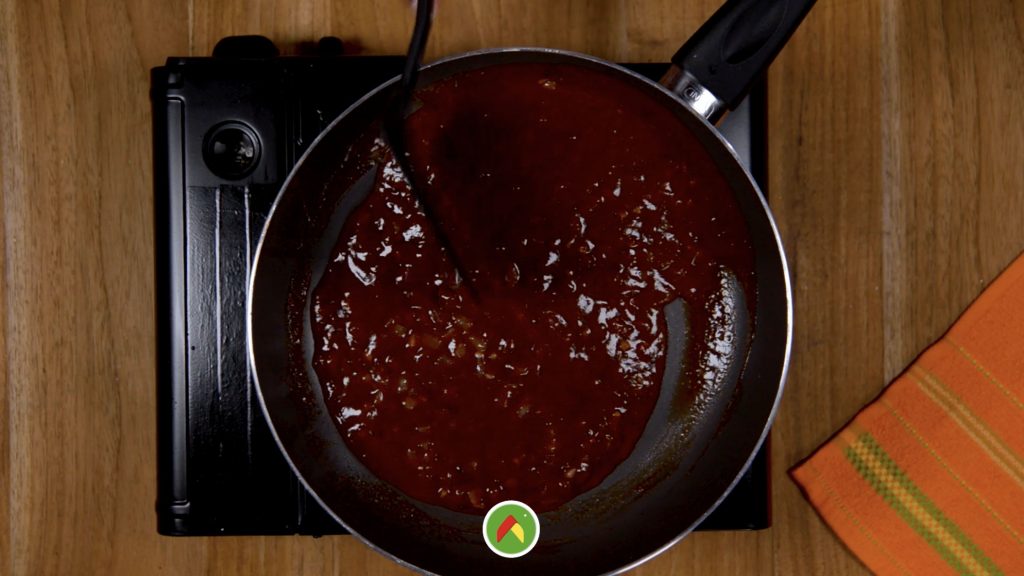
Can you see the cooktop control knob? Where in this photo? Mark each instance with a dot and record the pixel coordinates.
(231, 150)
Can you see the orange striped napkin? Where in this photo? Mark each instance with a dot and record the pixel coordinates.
(929, 478)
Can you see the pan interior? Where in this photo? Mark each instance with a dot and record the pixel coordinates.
(682, 465)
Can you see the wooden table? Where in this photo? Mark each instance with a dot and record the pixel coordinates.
(896, 172)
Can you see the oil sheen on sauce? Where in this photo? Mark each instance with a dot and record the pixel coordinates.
(578, 207)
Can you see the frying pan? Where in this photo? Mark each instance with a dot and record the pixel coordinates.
(685, 462)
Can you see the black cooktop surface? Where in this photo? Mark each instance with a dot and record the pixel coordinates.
(227, 129)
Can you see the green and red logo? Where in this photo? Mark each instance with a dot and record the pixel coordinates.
(511, 529)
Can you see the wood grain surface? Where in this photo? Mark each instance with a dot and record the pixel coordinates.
(896, 173)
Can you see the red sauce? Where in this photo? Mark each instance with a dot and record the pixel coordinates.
(578, 207)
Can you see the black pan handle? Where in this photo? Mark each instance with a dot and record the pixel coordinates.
(717, 66)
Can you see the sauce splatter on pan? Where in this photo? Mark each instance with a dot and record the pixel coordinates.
(579, 207)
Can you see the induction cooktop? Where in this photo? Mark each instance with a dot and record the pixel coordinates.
(227, 130)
